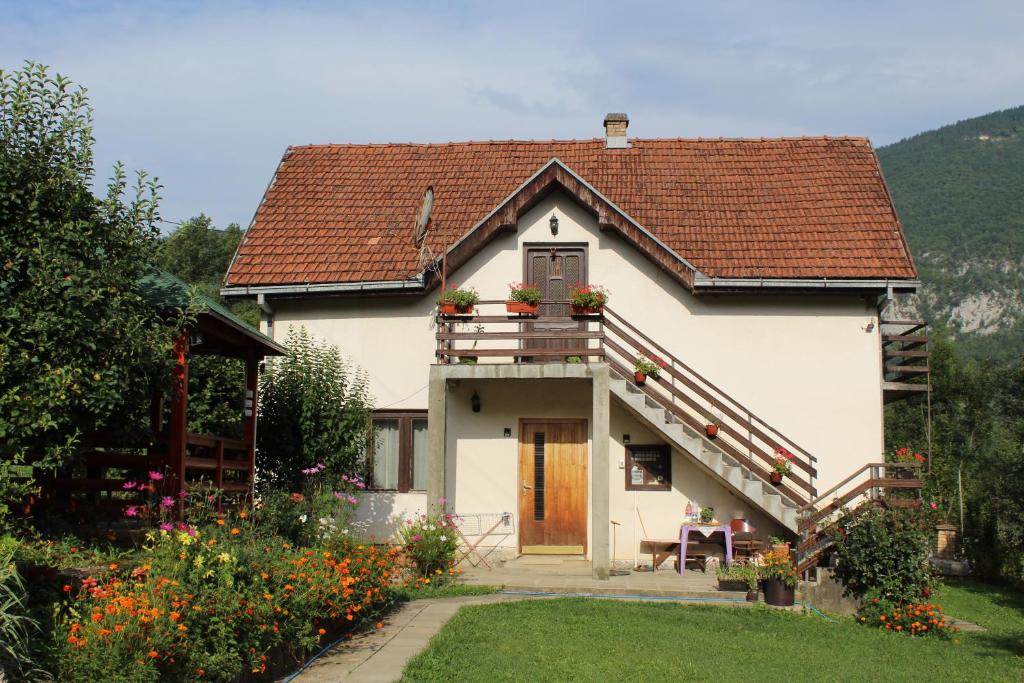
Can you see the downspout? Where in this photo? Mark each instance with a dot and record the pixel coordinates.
(268, 314)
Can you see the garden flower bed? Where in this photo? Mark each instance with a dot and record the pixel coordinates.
(218, 603)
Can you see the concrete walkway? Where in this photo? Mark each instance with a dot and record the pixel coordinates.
(380, 655)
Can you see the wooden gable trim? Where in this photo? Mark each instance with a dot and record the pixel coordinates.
(553, 176)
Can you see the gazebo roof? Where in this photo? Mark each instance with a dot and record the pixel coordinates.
(221, 332)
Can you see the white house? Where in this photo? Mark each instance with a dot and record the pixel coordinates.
(757, 269)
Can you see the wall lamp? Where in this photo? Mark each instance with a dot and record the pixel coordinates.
(475, 402)
(553, 222)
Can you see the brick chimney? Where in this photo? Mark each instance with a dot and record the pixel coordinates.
(615, 126)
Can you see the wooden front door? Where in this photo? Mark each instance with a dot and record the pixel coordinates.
(553, 487)
(555, 271)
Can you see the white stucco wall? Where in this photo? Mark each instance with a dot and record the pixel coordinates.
(805, 363)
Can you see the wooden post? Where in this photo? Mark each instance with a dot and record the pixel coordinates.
(177, 428)
(252, 373)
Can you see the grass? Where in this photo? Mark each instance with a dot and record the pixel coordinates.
(584, 639)
(452, 590)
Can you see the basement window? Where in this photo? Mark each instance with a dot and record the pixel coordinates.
(398, 451)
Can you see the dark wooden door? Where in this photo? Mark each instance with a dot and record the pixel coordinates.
(553, 487)
(555, 271)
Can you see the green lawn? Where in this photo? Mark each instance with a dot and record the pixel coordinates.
(601, 640)
(452, 590)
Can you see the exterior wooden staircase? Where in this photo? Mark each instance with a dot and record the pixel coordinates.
(680, 403)
(875, 484)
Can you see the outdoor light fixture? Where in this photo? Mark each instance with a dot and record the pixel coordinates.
(625, 438)
(553, 222)
(475, 402)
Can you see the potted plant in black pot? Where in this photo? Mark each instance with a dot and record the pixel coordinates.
(779, 577)
(739, 576)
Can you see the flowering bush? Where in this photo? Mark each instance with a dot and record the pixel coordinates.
(650, 366)
(775, 564)
(913, 618)
(431, 541)
(525, 292)
(904, 455)
(588, 296)
(460, 298)
(783, 463)
(320, 511)
(211, 603)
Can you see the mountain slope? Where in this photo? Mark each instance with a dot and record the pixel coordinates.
(959, 191)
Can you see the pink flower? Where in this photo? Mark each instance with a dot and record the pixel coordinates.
(416, 537)
(339, 495)
(155, 475)
(182, 494)
(166, 502)
(442, 500)
(166, 526)
(353, 500)
(934, 506)
(129, 486)
(131, 511)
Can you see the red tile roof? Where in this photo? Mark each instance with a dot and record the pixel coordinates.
(770, 208)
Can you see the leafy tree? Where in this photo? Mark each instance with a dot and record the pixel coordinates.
(78, 345)
(199, 253)
(314, 408)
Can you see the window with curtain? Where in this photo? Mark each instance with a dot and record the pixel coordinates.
(399, 451)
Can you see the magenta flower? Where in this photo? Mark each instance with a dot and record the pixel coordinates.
(353, 500)
(131, 511)
(129, 485)
(416, 537)
(166, 526)
(339, 495)
(166, 502)
(934, 506)
(182, 494)
(155, 475)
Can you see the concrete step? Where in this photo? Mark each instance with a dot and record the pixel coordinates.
(735, 474)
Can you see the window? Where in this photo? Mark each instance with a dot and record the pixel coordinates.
(648, 468)
(398, 451)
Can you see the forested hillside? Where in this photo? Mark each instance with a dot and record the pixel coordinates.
(959, 191)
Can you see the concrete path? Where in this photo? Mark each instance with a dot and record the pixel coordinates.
(380, 655)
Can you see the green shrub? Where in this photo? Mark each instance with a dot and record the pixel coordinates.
(314, 409)
(886, 551)
(16, 626)
(739, 571)
(319, 513)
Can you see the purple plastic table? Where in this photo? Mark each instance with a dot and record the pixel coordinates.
(704, 530)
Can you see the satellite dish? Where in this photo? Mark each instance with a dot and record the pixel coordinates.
(419, 231)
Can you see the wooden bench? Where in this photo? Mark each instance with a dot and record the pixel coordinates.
(663, 548)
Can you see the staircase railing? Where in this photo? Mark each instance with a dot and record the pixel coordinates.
(889, 484)
(696, 402)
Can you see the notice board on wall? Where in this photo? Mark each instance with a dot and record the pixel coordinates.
(648, 467)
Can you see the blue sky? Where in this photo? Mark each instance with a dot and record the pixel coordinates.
(206, 95)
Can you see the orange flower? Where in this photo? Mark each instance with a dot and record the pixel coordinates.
(152, 654)
(380, 625)
(220, 522)
(235, 531)
(243, 514)
(322, 631)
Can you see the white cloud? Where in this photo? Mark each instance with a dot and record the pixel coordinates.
(208, 96)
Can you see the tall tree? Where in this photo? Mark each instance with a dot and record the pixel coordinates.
(78, 344)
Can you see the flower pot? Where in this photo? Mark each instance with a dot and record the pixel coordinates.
(777, 593)
(776, 478)
(781, 547)
(712, 430)
(751, 596)
(451, 309)
(640, 378)
(522, 307)
(585, 310)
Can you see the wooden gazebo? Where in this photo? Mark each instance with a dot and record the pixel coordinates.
(185, 460)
